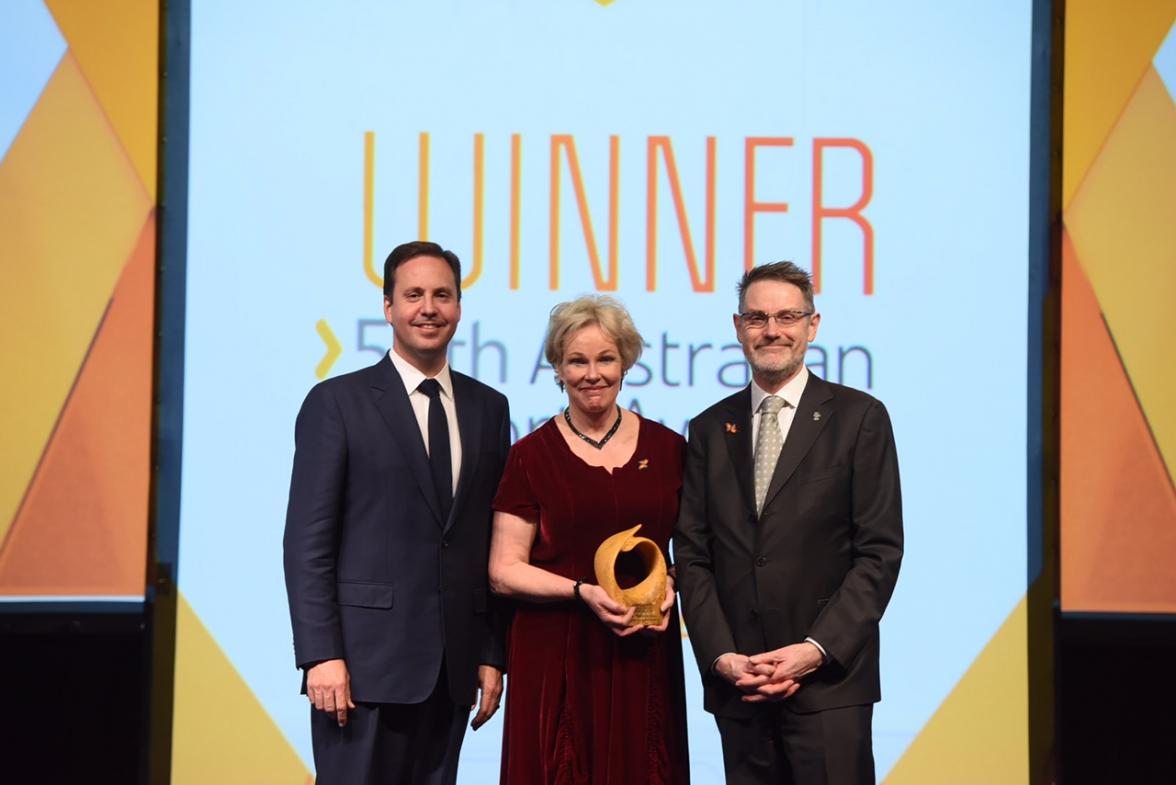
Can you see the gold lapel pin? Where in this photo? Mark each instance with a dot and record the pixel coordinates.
(731, 428)
(642, 464)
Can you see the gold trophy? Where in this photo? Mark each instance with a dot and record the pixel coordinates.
(648, 595)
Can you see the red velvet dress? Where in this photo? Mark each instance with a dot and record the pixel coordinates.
(582, 705)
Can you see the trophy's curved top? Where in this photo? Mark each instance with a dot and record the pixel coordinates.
(650, 591)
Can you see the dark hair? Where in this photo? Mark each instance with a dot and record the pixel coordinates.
(785, 272)
(406, 251)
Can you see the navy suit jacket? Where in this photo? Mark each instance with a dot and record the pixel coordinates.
(820, 561)
(374, 575)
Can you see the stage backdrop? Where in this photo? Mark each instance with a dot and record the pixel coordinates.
(1118, 424)
(650, 150)
(78, 104)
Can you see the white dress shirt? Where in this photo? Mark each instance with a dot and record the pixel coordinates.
(420, 406)
(791, 393)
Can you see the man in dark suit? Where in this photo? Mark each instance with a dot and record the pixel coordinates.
(386, 545)
(788, 546)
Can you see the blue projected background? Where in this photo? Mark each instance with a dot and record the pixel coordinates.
(648, 149)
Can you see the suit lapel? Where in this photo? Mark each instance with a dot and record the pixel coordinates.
(812, 414)
(469, 424)
(392, 402)
(737, 433)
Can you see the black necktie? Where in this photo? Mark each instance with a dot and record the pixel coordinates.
(440, 460)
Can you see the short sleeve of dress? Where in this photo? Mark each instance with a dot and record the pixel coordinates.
(515, 493)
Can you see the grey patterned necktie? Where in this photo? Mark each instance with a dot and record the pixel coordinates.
(768, 443)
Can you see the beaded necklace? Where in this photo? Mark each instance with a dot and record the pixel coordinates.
(604, 440)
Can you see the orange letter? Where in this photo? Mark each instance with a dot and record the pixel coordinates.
(479, 168)
(516, 166)
(369, 202)
(603, 284)
(750, 205)
(700, 283)
(853, 212)
(423, 189)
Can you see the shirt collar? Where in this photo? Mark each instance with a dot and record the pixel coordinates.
(412, 377)
(790, 392)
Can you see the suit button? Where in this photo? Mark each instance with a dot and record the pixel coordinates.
(445, 543)
(760, 561)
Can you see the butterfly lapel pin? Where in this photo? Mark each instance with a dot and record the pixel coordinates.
(816, 416)
(642, 464)
(731, 428)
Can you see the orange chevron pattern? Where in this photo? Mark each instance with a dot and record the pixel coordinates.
(1118, 506)
(77, 187)
(1118, 427)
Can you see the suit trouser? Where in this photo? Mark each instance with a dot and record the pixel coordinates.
(391, 743)
(777, 745)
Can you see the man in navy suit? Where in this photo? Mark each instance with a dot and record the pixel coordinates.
(386, 544)
(788, 546)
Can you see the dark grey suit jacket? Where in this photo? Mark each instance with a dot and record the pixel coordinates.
(820, 562)
(374, 575)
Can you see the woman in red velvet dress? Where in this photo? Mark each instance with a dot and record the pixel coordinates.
(591, 698)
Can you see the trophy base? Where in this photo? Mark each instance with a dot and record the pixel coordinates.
(648, 615)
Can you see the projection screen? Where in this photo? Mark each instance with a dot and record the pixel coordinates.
(649, 150)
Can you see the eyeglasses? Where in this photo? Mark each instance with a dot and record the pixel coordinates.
(758, 320)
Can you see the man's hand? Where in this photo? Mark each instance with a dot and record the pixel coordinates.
(788, 665)
(328, 686)
(738, 670)
(490, 687)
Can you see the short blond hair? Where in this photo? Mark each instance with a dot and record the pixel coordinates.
(607, 313)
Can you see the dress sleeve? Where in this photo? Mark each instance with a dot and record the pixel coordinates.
(516, 494)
